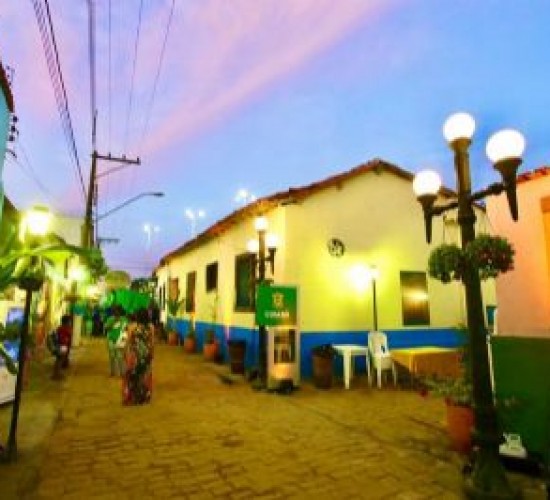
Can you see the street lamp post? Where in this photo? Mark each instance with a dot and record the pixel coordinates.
(127, 202)
(257, 248)
(488, 478)
(374, 275)
(193, 216)
(34, 226)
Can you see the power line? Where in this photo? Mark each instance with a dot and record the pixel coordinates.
(91, 60)
(130, 100)
(54, 67)
(157, 75)
(109, 71)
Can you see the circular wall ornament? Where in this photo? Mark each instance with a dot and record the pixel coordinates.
(336, 247)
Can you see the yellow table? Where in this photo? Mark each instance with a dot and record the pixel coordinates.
(429, 361)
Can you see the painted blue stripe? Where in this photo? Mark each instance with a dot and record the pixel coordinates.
(397, 339)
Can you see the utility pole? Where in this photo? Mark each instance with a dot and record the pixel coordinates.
(88, 239)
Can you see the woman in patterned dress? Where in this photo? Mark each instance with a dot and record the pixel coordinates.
(137, 384)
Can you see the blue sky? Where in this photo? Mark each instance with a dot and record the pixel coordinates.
(266, 95)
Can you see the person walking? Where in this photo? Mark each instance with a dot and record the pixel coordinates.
(64, 339)
(137, 385)
(114, 326)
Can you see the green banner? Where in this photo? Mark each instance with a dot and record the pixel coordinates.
(276, 305)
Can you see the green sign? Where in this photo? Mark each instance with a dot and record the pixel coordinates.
(276, 305)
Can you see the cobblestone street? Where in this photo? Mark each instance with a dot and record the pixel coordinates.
(203, 437)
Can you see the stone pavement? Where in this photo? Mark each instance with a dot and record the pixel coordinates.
(205, 438)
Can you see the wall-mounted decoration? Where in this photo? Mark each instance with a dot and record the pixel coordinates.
(336, 247)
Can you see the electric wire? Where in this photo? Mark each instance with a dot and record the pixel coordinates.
(65, 100)
(91, 60)
(134, 64)
(54, 67)
(149, 108)
(110, 79)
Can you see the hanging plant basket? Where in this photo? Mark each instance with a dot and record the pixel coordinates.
(491, 255)
(446, 263)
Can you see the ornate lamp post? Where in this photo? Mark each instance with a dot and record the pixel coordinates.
(257, 248)
(488, 478)
(33, 228)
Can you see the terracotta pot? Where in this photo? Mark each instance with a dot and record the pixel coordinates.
(190, 344)
(460, 423)
(173, 338)
(237, 352)
(322, 371)
(211, 351)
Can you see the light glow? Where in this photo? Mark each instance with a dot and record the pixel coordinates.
(260, 223)
(253, 246)
(36, 222)
(459, 126)
(426, 182)
(272, 240)
(505, 144)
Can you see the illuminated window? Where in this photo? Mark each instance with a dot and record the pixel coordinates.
(414, 297)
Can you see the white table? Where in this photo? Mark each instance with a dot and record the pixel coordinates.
(348, 352)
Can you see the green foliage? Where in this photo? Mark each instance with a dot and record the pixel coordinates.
(174, 306)
(446, 263)
(491, 255)
(455, 390)
(19, 263)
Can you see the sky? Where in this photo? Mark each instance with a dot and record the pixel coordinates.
(215, 96)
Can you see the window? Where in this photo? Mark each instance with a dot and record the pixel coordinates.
(414, 297)
(212, 276)
(244, 282)
(190, 295)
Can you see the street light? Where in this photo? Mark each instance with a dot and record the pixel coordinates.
(127, 202)
(34, 226)
(488, 478)
(257, 248)
(149, 229)
(193, 216)
(374, 275)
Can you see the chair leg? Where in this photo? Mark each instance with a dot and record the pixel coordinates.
(379, 377)
(394, 371)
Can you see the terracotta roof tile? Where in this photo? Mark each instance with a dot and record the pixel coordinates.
(292, 195)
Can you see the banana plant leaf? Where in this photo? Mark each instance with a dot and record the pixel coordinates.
(10, 365)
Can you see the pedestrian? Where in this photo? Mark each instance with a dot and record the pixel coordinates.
(64, 335)
(97, 323)
(137, 384)
(114, 326)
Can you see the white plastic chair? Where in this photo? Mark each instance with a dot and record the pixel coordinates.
(381, 356)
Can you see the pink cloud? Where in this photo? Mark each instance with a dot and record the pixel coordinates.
(232, 53)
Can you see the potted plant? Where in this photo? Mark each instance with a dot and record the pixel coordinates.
(322, 365)
(446, 263)
(190, 340)
(211, 347)
(458, 397)
(491, 255)
(174, 306)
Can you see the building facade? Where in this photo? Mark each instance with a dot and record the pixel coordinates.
(524, 293)
(330, 234)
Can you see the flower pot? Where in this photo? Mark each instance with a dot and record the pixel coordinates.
(173, 338)
(190, 344)
(211, 350)
(237, 352)
(460, 423)
(322, 371)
